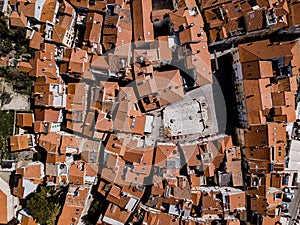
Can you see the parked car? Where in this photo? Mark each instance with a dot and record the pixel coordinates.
(285, 207)
(288, 190)
(287, 197)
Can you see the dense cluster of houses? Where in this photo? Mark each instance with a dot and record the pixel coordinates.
(228, 19)
(266, 83)
(115, 109)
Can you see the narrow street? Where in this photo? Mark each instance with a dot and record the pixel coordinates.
(294, 211)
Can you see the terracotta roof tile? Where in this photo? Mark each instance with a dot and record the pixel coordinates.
(109, 33)
(49, 115)
(127, 119)
(71, 144)
(264, 50)
(170, 85)
(165, 152)
(283, 98)
(265, 135)
(65, 7)
(258, 97)
(201, 63)
(90, 152)
(93, 28)
(50, 142)
(74, 205)
(91, 169)
(7, 202)
(89, 124)
(81, 3)
(19, 142)
(255, 20)
(27, 8)
(77, 173)
(24, 119)
(17, 20)
(114, 213)
(192, 154)
(112, 160)
(115, 145)
(75, 126)
(124, 34)
(160, 89)
(78, 61)
(36, 41)
(143, 31)
(103, 124)
(43, 68)
(294, 16)
(103, 97)
(28, 220)
(115, 196)
(49, 11)
(108, 175)
(34, 171)
(140, 157)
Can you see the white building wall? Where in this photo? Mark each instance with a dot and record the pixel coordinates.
(11, 200)
(39, 4)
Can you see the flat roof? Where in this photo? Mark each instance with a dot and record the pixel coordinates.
(186, 118)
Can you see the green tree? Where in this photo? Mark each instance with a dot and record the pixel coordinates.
(44, 206)
(98, 206)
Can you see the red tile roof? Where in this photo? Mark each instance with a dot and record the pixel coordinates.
(34, 171)
(24, 119)
(93, 28)
(265, 135)
(165, 152)
(18, 20)
(36, 41)
(129, 120)
(142, 25)
(114, 213)
(77, 173)
(264, 50)
(19, 142)
(49, 11)
(74, 205)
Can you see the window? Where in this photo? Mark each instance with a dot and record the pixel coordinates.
(277, 196)
(279, 153)
(260, 131)
(285, 180)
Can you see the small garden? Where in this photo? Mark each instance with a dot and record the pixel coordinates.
(13, 42)
(6, 129)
